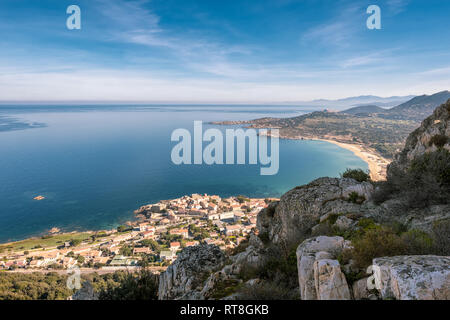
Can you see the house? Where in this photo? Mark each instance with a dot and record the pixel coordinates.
(36, 263)
(144, 250)
(102, 260)
(120, 260)
(81, 250)
(175, 246)
(150, 234)
(212, 216)
(233, 229)
(191, 243)
(167, 255)
(91, 254)
(141, 227)
(181, 232)
(227, 216)
(68, 262)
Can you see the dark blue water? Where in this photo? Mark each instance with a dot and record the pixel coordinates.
(96, 164)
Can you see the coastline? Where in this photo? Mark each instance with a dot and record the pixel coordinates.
(377, 170)
(377, 164)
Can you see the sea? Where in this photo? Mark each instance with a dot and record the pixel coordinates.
(96, 164)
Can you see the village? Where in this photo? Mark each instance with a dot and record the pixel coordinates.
(154, 239)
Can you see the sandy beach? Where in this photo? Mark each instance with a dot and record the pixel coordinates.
(377, 164)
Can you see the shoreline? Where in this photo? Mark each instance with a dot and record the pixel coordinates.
(377, 164)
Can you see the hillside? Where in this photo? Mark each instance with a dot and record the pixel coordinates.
(418, 108)
(382, 130)
(368, 109)
(318, 241)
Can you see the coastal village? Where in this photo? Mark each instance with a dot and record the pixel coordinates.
(154, 239)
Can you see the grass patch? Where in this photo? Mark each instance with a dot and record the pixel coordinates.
(52, 241)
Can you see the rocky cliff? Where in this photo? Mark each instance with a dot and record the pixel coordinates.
(433, 133)
(322, 234)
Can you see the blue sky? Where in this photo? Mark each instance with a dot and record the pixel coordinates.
(221, 51)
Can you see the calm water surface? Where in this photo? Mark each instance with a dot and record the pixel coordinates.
(96, 164)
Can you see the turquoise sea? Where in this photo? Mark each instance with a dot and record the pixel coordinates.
(97, 164)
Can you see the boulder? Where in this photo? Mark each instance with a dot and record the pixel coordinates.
(330, 282)
(314, 250)
(360, 289)
(413, 277)
(301, 208)
(185, 278)
(344, 223)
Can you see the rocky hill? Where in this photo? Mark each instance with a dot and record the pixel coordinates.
(337, 239)
(419, 107)
(364, 110)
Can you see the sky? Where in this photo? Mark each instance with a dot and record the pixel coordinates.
(229, 51)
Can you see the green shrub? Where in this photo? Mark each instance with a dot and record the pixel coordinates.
(267, 290)
(224, 288)
(417, 242)
(354, 197)
(426, 182)
(440, 234)
(376, 243)
(142, 285)
(356, 174)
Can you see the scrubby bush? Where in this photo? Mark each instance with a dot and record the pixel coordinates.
(267, 290)
(426, 182)
(142, 285)
(440, 234)
(356, 174)
(354, 197)
(376, 243)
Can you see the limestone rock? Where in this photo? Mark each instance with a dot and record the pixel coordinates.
(330, 282)
(360, 289)
(418, 142)
(301, 208)
(318, 249)
(184, 279)
(413, 277)
(344, 223)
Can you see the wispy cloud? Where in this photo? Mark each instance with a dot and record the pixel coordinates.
(339, 30)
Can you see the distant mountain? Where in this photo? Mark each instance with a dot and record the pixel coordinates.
(346, 103)
(364, 110)
(418, 108)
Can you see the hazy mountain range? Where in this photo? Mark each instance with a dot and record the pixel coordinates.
(417, 108)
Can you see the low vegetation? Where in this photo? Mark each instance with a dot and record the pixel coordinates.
(356, 174)
(119, 285)
(426, 182)
(373, 241)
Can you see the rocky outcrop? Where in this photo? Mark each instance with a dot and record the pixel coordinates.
(360, 289)
(434, 132)
(301, 208)
(320, 276)
(413, 277)
(330, 282)
(185, 278)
